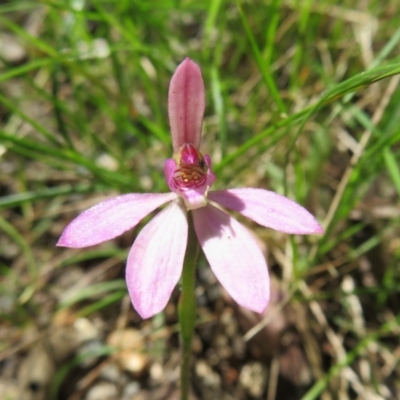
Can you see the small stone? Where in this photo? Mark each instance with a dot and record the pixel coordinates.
(253, 379)
(111, 373)
(156, 372)
(11, 49)
(85, 330)
(91, 350)
(126, 339)
(133, 362)
(129, 344)
(107, 162)
(102, 391)
(131, 389)
(210, 378)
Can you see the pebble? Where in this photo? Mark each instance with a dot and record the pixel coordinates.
(253, 379)
(102, 391)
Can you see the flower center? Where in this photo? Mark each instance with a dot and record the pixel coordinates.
(191, 171)
(189, 175)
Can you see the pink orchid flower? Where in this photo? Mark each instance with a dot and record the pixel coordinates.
(155, 260)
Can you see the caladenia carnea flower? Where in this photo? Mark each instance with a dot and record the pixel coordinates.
(156, 258)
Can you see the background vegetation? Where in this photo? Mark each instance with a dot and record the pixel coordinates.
(302, 99)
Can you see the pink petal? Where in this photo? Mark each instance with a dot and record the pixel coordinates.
(111, 218)
(169, 170)
(155, 261)
(268, 209)
(186, 101)
(234, 256)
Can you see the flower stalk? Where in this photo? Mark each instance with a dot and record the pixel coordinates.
(187, 308)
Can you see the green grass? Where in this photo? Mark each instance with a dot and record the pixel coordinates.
(302, 98)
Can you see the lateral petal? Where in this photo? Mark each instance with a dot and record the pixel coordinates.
(186, 102)
(111, 218)
(234, 256)
(269, 209)
(155, 261)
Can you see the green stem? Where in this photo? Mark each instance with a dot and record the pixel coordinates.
(187, 308)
